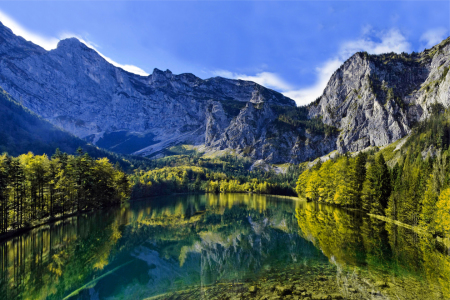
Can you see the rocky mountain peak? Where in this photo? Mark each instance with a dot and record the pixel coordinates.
(12, 46)
(375, 99)
(74, 88)
(371, 100)
(161, 76)
(71, 43)
(5, 30)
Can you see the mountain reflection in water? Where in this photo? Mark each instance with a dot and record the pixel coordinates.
(222, 247)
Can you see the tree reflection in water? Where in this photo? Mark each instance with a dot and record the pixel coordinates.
(413, 266)
(172, 243)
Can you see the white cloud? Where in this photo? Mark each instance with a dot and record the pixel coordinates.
(307, 95)
(129, 68)
(434, 36)
(267, 79)
(49, 43)
(390, 41)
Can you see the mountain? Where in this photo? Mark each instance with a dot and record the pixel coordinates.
(371, 100)
(22, 131)
(375, 100)
(74, 88)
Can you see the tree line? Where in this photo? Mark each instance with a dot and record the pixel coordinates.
(194, 179)
(415, 191)
(33, 187)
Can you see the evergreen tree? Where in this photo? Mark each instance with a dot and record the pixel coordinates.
(368, 193)
(360, 177)
(5, 162)
(430, 198)
(377, 187)
(383, 184)
(442, 219)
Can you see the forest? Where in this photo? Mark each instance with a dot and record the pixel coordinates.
(187, 171)
(194, 179)
(36, 187)
(414, 191)
(408, 183)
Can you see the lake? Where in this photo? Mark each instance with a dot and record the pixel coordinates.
(227, 246)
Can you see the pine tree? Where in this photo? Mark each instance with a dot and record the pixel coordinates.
(428, 213)
(360, 177)
(5, 162)
(383, 185)
(376, 187)
(442, 219)
(368, 193)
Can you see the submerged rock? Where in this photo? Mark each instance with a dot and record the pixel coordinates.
(283, 290)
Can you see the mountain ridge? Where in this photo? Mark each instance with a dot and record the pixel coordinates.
(387, 99)
(371, 100)
(74, 88)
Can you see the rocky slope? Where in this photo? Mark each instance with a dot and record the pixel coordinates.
(73, 87)
(22, 131)
(371, 100)
(375, 99)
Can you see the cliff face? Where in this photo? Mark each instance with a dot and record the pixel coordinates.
(259, 132)
(371, 100)
(375, 99)
(75, 88)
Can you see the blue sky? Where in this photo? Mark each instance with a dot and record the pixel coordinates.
(291, 46)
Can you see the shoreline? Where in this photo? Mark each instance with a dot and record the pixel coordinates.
(416, 229)
(17, 232)
(205, 193)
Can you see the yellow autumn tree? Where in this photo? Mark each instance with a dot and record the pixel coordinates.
(302, 183)
(443, 212)
(313, 186)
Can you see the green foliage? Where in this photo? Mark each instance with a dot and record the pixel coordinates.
(22, 131)
(232, 107)
(33, 187)
(194, 179)
(377, 187)
(443, 213)
(193, 173)
(433, 132)
(428, 214)
(232, 166)
(337, 181)
(297, 118)
(414, 191)
(418, 182)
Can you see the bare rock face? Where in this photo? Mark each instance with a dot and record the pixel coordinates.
(371, 100)
(374, 100)
(258, 132)
(75, 88)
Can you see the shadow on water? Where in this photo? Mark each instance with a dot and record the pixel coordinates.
(219, 247)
